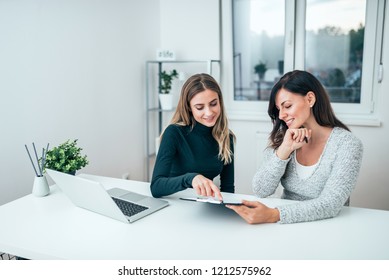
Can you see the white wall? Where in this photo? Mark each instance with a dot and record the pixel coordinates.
(74, 69)
(191, 28)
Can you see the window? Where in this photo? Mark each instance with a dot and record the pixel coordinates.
(338, 41)
(334, 34)
(258, 47)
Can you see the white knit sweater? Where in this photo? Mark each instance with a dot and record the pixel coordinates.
(324, 193)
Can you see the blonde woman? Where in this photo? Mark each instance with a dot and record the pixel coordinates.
(197, 146)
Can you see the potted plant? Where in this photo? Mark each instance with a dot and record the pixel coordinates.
(165, 97)
(66, 158)
(260, 69)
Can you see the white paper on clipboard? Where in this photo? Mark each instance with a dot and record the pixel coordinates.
(210, 200)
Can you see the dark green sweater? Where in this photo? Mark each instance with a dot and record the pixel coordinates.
(184, 153)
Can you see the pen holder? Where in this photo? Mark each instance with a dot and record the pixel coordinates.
(41, 187)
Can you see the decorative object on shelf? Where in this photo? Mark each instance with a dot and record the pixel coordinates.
(165, 97)
(40, 187)
(66, 158)
(260, 69)
(165, 55)
(166, 101)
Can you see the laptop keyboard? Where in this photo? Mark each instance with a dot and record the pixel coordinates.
(128, 208)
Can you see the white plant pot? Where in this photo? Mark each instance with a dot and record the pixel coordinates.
(166, 101)
(40, 187)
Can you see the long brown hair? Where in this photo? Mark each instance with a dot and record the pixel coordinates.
(183, 115)
(301, 82)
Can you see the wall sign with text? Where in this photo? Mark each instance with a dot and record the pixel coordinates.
(165, 55)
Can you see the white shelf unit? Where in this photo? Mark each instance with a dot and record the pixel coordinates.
(156, 118)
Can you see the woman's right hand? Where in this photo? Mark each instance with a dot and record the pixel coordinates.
(255, 212)
(294, 139)
(205, 187)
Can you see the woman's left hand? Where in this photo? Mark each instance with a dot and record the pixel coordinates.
(254, 212)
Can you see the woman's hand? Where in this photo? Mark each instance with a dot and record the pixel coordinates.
(205, 187)
(294, 139)
(254, 212)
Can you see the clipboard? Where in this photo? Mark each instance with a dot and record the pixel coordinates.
(210, 201)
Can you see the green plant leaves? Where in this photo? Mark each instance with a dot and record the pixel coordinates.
(66, 157)
(166, 80)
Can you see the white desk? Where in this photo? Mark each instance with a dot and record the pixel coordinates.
(52, 228)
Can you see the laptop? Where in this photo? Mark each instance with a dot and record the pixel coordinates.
(116, 203)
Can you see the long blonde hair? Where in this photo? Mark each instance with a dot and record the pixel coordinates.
(184, 117)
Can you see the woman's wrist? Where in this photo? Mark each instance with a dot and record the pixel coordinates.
(282, 153)
(274, 215)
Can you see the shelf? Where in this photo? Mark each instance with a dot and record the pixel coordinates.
(183, 61)
(161, 110)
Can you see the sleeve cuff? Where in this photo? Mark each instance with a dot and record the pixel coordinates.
(188, 179)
